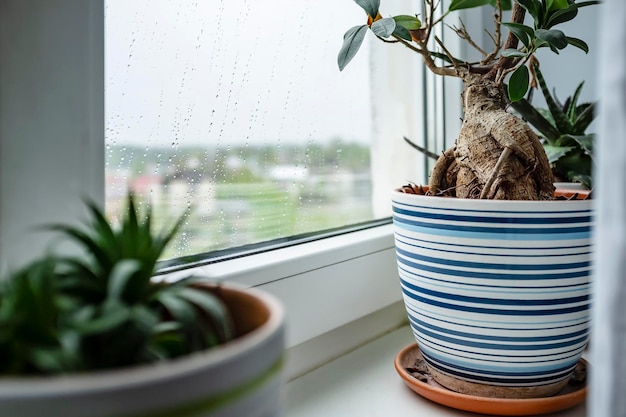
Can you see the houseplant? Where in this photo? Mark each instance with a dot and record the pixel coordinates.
(495, 280)
(563, 130)
(94, 334)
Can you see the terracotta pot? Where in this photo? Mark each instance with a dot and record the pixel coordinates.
(497, 292)
(240, 378)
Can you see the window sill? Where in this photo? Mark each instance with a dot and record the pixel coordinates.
(364, 382)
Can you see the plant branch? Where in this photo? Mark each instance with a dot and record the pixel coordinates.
(504, 63)
(498, 39)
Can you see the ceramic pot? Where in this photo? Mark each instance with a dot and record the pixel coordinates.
(497, 292)
(240, 378)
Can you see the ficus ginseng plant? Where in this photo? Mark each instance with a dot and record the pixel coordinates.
(496, 155)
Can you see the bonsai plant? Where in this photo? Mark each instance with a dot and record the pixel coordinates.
(496, 281)
(79, 316)
(496, 155)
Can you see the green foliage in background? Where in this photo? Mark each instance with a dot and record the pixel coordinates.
(103, 310)
(563, 128)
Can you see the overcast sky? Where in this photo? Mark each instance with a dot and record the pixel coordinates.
(232, 71)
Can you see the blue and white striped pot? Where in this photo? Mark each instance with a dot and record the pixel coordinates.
(497, 292)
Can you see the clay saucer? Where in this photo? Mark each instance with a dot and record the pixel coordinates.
(573, 394)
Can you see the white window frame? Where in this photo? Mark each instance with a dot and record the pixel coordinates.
(52, 155)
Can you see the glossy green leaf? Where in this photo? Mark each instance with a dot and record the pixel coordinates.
(408, 22)
(513, 53)
(561, 16)
(370, 6)
(466, 4)
(533, 8)
(553, 37)
(506, 4)
(403, 33)
(522, 32)
(384, 27)
(352, 41)
(578, 43)
(556, 4)
(518, 83)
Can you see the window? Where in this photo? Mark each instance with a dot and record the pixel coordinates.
(237, 110)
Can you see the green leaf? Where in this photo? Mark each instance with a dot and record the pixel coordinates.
(554, 37)
(466, 4)
(370, 6)
(536, 119)
(408, 22)
(120, 277)
(556, 4)
(585, 142)
(578, 43)
(522, 32)
(352, 41)
(214, 308)
(555, 153)
(533, 8)
(113, 318)
(561, 16)
(518, 83)
(403, 33)
(506, 4)
(513, 53)
(561, 121)
(384, 27)
(584, 118)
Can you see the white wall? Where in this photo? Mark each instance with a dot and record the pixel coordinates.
(51, 117)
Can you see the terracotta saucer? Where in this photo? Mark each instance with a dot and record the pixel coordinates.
(571, 395)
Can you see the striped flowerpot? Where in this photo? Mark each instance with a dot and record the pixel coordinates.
(497, 292)
(240, 378)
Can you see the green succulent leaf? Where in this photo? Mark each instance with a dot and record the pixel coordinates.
(215, 310)
(370, 6)
(466, 4)
(121, 278)
(522, 32)
(585, 142)
(384, 28)
(554, 37)
(518, 83)
(555, 153)
(537, 119)
(352, 41)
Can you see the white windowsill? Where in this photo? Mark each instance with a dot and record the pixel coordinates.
(364, 383)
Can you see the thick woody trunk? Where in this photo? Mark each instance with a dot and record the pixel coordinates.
(496, 155)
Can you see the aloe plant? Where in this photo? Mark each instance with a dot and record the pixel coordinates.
(102, 309)
(563, 127)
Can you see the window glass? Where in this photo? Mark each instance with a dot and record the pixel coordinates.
(235, 112)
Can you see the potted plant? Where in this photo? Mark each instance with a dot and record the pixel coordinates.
(563, 129)
(95, 334)
(494, 267)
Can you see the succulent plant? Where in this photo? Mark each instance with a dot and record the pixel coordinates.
(563, 128)
(103, 309)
